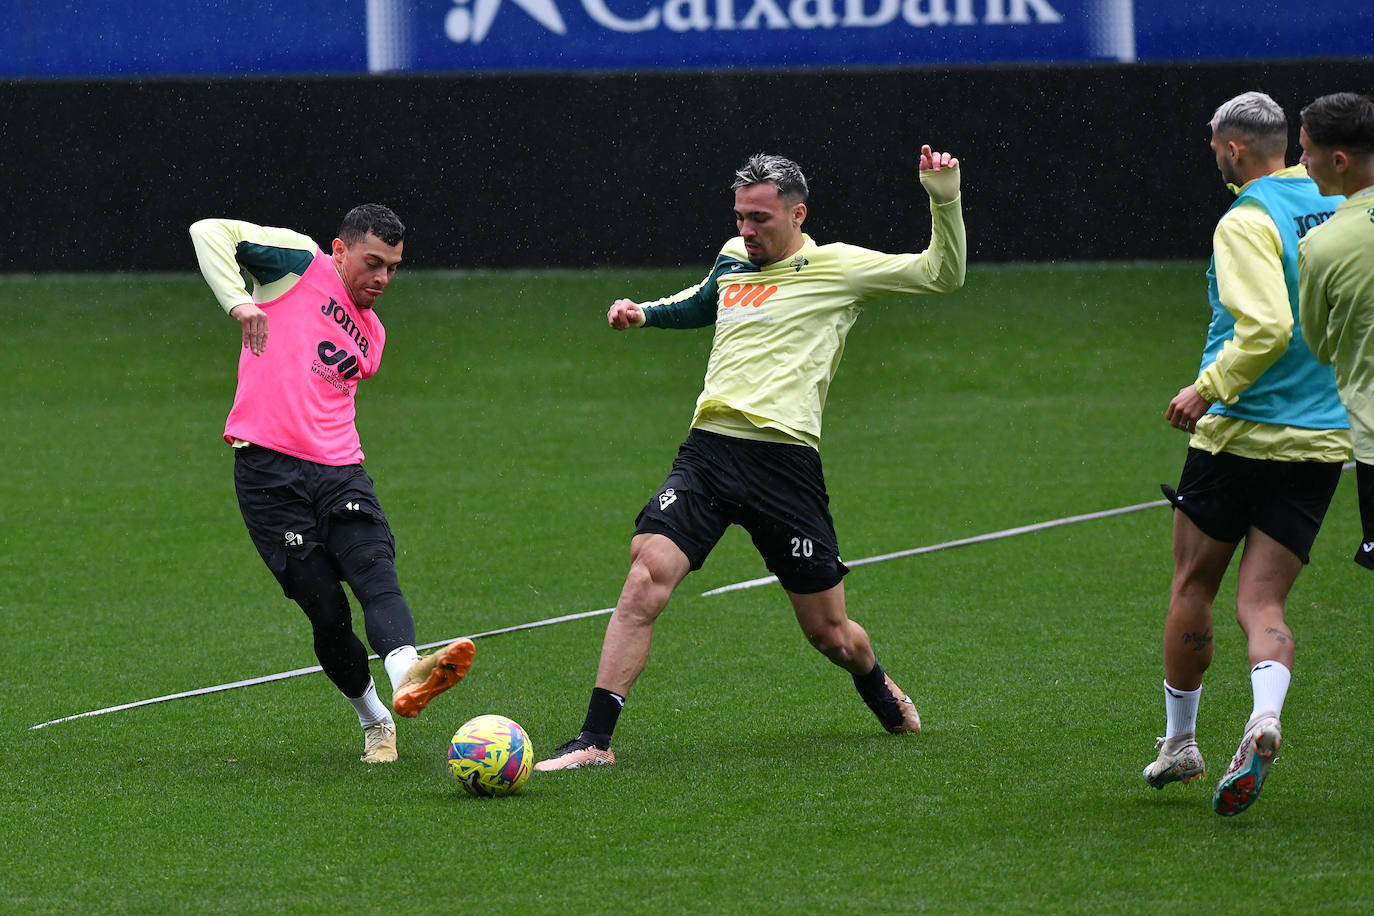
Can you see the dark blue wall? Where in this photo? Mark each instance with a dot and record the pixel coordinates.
(1062, 163)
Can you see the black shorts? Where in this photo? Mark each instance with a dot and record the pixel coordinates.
(289, 504)
(1364, 482)
(1226, 495)
(774, 491)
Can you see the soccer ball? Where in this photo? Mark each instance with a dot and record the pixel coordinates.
(490, 755)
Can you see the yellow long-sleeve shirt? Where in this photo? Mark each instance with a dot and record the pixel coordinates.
(1336, 302)
(232, 252)
(781, 328)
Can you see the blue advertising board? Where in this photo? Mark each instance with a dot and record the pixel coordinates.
(640, 34)
(299, 37)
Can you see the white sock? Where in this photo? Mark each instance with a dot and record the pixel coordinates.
(1269, 681)
(1180, 710)
(370, 709)
(398, 662)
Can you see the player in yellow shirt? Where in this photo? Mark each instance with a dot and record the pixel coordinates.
(781, 305)
(1268, 439)
(1336, 270)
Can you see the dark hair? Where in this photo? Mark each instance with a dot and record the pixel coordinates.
(1341, 120)
(375, 218)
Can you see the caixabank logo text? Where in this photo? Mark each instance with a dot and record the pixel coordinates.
(471, 20)
(624, 34)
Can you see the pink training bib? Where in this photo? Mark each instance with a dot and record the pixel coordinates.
(297, 397)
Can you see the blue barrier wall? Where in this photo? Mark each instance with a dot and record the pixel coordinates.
(93, 38)
(1060, 163)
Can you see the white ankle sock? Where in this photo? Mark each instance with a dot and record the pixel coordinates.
(1180, 710)
(369, 707)
(398, 662)
(1269, 680)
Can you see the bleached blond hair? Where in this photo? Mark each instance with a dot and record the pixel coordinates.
(1256, 119)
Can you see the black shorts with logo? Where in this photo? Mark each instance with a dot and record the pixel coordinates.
(289, 503)
(1226, 495)
(774, 491)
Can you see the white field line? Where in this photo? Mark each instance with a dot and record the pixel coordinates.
(550, 621)
(268, 678)
(976, 539)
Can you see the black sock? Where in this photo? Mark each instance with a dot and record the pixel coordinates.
(873, 688)
(603, 709)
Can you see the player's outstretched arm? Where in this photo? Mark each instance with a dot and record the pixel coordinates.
(945, 262)
(939, 175)
(625, 314)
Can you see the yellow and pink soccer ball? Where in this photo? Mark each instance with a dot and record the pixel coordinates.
(490, 755)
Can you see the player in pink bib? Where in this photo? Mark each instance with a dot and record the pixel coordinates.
(309, 337)
(297, 397)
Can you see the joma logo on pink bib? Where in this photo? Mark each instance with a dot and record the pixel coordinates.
(345, 321)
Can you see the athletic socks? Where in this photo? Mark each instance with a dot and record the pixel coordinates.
(873, 688)
(369, 708)
(1269, 680)
(1180, 710)
(398, 662)
(603, 710)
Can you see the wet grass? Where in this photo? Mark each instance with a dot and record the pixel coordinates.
(513, 439)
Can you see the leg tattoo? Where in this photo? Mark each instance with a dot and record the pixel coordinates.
(1199, 641)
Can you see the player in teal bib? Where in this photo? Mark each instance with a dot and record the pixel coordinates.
(1295, 390)
(1264, 458)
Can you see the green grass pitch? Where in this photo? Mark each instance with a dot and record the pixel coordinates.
(513, 438)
